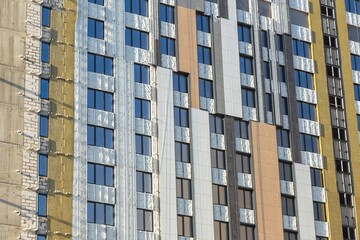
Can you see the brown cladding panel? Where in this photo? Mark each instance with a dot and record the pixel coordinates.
(187, 50)
(266, 182)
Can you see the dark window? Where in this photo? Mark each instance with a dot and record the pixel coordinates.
(142, 108)
(44, 126)
(100, 213)
(330, 41)
(352, 6)
(283, 139)
(306, 110)
(303, 79)
(319, 211)
(264, 39)
(358, 121)
(95, 28)
(245, 198)
(143, 182)
(183, 188)
(309, 143)
(42, 205)
(290, 235)
(266, 70)
(99, 100)
(327, 11)
(185, 226)
(279, 42)
(45, 52)
(100, 174)
(248, 97)
(99, 2)
(167, 46)
(43, 164)
(284, 106)
(247, 232)
(141, 73)
(206, 88)
(45, 16)
(336, 102)
(301, 48)
(180, 82)
(136, 38)
(241, 129)
(357, 92)
(219, 194)
(44, 88)
(246, 65)
(339, 133)
(342, 166)
(345, 199)
(243, 164)
(349, 232)
(321, 238)
(182, 152)
(181, 117)
(144, 220)
(288, 206)
(216, 124)
(100, 137)
(166, 13)
(204, 55)
(100, 64)
(244, 33)
(221, 230)
(202, 23)
(281, 74)
(218, 159)
(333, 71)
(143, 145)
(268, 102)
(139, 7)
(285, 170)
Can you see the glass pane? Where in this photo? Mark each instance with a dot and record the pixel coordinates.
(109, 138)
(90, 212)
(43, 165)
(100, 177)
(99, 137)
(44, 125)
(90, 135)
(145, 74)
(147, 183)
(140, 219)
(148, 221)
(144, 40)
(91, 62)
(109, 214)
(109, 176)
(45, 52)
(90, 98)
(139, 181)
(146, 109)
(108, 102)
(147, 145)
(100, 211)
(91, 27)
(109, 66)
(90, 173)
(185, 153)
(99, 64)
(99, 98)
(42, 205)
(45, 18)
(44, 91)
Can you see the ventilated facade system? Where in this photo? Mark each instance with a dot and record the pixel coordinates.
(180, 119)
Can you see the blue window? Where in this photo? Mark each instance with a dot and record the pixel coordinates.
(181, 117)
(136, 38)
(355, 62)
(216, 124)
(100, 137)
(180, 82)
(202, 23)
(306, 110)
(281, 74)
(142, 108)
(303, 79)
(141, 73)
(241, 129)
(45, 16)
(100, 213)
(41, 237)
(264, 39)
(143, 145)
(42, 205)
(204, 55)
(301, 48)
(284, 106)
(167, 46)
(357, 92)
(44, 88)
(279, 42)
(100, 64)
(268, 102)
(167, 13)
(95, 28)
(248, 97)
(206, 88)
(244, 33)
(45, 52)
(309, 143)
(358, 122)
(100, 174)
(143, 182)
(352, 6)
(99, 2)
(99, 100)
(283, 138)
(266, 70)
(44, 126)
(246, 65)
(43, 165)
(139, 7)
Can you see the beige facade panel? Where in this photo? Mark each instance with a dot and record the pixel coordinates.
(269, 223)
(187, 50)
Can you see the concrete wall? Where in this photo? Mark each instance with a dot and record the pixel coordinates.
(12, 68)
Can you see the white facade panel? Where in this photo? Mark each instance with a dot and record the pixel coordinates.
(203, 208)
(304, 202)
(306, 95)
(99, 193)
(101, 155)
(100, 118)
(243, 145)
(166, 141)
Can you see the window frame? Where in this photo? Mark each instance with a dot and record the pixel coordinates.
(42, 205)
(180, 82)
(218, 159)
(141, 4)
(248, 97)
(100, 64)
(45, 52)
(182, 152)
(43, 126)
(45, 16)
(105, 140)
(142, 148)
(204, 55)
(94, 94)
(143, 38)
(182, 229)
(183, 188)
(181, 117)
(220, 197)
(145, 185)
(167, 46)
(98, 30)
(206, 89)
(145, 214)
(245, 198)
(104, 214)
(288, 206)
(144, 73)
(202, 23)
(142, 108)
(43, 165)
(97, 167)
(244, 33)
(166, 13)
(44, 88)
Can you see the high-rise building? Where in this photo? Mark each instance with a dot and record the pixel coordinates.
(180, 119)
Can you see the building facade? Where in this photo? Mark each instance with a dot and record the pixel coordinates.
(180, 119)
